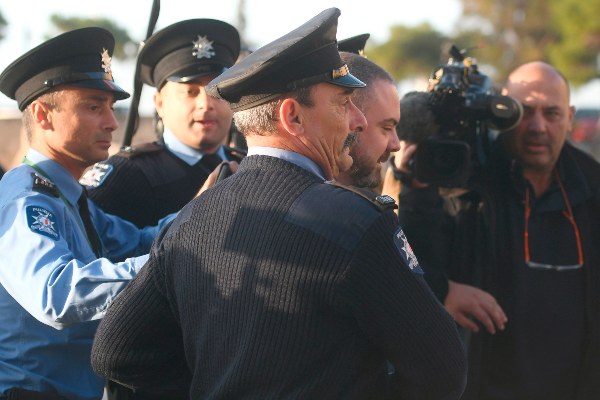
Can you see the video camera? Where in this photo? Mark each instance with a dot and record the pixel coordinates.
(465, 106)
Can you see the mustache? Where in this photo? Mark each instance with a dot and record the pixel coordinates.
(351, 139)
(384, 157)
(536, 138)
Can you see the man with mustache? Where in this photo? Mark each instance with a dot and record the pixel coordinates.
(380, 104)
(522, 259)
(145, 182)
(278, 283)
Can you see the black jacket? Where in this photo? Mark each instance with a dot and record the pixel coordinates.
(553, 317)
(147, 182)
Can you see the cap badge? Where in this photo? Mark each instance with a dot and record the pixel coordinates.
(340, 72)
(106, 60)
(203, 48)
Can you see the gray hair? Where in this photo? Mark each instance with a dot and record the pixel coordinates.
(262, 120)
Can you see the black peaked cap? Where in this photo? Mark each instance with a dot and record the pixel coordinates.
(187, 50)
(355, 44)
(80, 57)
(306, 56)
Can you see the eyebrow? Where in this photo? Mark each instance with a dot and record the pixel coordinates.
(390, 120)
(99, 98)
(549, 107)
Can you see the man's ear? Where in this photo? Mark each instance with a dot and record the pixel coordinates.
(571, 116)
(291, 116)
(158, 103)
(42, 115)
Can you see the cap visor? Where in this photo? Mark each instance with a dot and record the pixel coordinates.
(103, 84)
(348, 80)
(192, 78)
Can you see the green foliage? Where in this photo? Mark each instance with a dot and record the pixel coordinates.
(510, 32)
(410, 51)
(506, 33)
(503, 34)
(578, 51)
(565, 33)
(123, 41)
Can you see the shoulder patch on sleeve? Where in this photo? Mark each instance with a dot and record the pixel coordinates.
(42, 221)
(43, 185)
(406, 251)
(96, 175)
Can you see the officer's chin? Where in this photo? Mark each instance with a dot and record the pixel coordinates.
(345, 161)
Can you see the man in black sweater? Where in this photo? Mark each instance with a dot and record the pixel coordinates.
(276, 283)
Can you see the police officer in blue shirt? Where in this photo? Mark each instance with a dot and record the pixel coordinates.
(56, 274)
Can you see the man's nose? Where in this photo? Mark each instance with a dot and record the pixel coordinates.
(111, 120)
(393, 142)
(203, 100)
(358, 122)
(537, 122)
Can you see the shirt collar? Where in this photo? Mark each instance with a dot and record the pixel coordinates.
(64, 181)
(187, 154)
(289, 156)
(577, 188)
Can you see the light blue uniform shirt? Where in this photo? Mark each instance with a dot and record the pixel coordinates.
(53, 289)
(186, 153)
(289, 156)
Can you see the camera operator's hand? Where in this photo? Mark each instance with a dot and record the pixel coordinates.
(465, 302)
(402, 159)
(398, 172)
(213, 177)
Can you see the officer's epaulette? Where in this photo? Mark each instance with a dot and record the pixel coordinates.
(42, 185)
(381, 201)
(139, 149)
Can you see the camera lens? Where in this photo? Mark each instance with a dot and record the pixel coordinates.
(505, 112)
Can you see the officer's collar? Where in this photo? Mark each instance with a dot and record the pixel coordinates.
(68, 186)
(290, 156)
(187, 154)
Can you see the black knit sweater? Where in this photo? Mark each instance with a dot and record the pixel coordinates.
(275, 285)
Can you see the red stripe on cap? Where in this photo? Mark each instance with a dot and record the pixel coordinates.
(110, 85)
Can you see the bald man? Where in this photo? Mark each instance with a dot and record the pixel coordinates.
(522, 254)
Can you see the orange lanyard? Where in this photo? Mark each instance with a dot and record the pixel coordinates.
(568, 213)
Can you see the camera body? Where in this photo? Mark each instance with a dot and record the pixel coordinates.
(465, 107)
